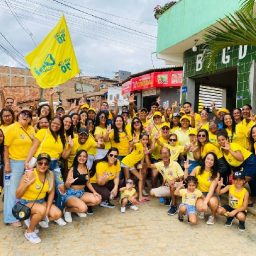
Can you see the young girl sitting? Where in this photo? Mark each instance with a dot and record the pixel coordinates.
(128, 196)
(137, 155)
(238, 200)
(189, 197)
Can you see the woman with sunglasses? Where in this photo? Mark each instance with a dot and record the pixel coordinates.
(101, 132)
(208, 177)
(18, 141)
(105, 177)
(36, 190)
(80, 194)
(204, 147)
(204, 122)
(50, 141)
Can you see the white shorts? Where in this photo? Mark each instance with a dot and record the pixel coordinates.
(162, 191)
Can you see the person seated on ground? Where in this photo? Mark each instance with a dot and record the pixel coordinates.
(189, 198)
(171, 172)
(78, 199)
(105, 177)
(238, 200)
(207, 176)
(35, 186)
(130, 162)
(128, 196)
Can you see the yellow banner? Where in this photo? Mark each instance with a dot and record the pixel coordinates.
(53, 61)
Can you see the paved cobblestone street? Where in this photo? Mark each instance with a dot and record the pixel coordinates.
(149, 231)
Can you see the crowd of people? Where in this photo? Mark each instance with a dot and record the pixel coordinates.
(63, 161)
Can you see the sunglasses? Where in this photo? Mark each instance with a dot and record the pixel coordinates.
(129, 182)
(165, 128)
(136, 122)
(102, 117)
(43, 163)
(113, 155)
(201, 135)
(172, 140)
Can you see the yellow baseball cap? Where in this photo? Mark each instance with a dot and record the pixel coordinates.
(192, 131)
(91, 109)
(185, 117)
(165, 124)
(223, 110)
(85, 106)
(157, 113)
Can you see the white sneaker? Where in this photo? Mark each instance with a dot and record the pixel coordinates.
(134, 207)
(201, 215)
(27, 224)
(210, 220)
(60, 222)
(145, 193)
(67, 216)
(32, 237)
(123, 209)
(44, 223)
(81, 214)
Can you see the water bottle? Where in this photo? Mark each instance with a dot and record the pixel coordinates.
(7, 179)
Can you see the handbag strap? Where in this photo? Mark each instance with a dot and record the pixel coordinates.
(26, 133)
(41, 144)
(39, 192)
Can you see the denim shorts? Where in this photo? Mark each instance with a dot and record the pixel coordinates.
(73, 193)
(38, 201)
(191, 209)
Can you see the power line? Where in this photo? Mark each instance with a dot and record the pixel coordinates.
(104, 19)
(20, 23)
(22, 56)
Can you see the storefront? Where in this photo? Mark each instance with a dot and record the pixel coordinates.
(149, 85)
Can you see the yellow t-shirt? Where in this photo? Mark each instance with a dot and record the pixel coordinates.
(205, 126)
(124, 144)
(157, 149)
(102, 132)
(18, 141)
(92, 150)
(236, 198)
(33, 190)
(4, 128)
(155, 129)
(209, 147)
(127, 194)
(174, 129)
(171, 172)
(239, 136)
(145, 123)
(183, 137)
(204, 180)
(175, 151)
(246, 128)
(135, 156)
(213, 139)
(48, 144)
(197, 119)
(190, 198)
(90, 143)
(232, 160)
(104, 168)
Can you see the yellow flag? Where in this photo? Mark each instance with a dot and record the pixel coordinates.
(53, 61)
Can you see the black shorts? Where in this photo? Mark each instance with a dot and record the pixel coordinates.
(228, 208)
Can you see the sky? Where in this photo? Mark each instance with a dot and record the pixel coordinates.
(107, 35)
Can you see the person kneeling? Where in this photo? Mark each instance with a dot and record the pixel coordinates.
(32, 191)
(238, 201)
(76, 199)
(189, 197)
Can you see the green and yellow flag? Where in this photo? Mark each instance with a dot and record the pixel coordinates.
(53, 61)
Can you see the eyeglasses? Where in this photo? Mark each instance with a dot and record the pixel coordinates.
(113, 155)
(129, 182)
(165, 128)
(43, 163)
(201, 135)
(172, 140)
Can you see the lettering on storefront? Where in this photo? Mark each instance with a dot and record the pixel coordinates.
(225, 56)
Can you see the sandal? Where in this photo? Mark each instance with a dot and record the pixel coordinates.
(144, 199)
(16, 224)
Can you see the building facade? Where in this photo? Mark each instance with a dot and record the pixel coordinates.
(231, 82)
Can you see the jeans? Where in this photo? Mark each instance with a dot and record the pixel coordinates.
(17, 170)
(54, 166)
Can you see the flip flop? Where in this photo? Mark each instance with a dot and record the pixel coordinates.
(144, 200)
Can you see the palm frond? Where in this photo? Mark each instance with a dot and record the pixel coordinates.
(247, 5)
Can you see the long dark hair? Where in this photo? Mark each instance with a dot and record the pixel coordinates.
(116, 132)
(132, 127)
(251, 140)
(233, 128)
(49, 116)
(104, 159)
(75, 161)
(5, 110)
(88, 120)
(77, 126)
(215, 168)
(2, 147)
(97, 119)
(60, 132)
(70, 131)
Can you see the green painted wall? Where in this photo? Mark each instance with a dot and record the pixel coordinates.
(189, 17)
(243, 69)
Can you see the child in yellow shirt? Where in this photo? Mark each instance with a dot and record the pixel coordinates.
(238, 200)
(128, 196)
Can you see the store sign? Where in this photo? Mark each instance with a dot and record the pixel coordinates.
(225, 56)
(154, 80)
